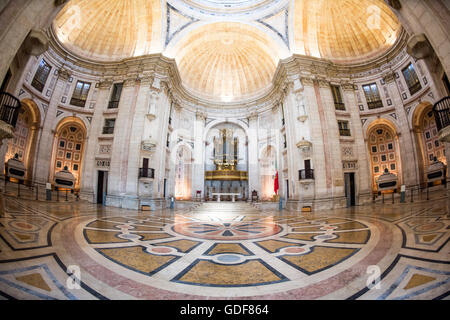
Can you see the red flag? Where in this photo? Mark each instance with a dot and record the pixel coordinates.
(276, 185)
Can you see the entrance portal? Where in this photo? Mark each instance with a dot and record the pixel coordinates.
(350, 189)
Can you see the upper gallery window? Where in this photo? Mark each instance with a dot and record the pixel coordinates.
(344, 129)
(115, 96)
(372, 96)
(41, 76)
(337, 97)
(80, 94)
(109, 126)
(411, 79)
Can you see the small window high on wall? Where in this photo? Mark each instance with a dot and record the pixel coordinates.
(80, 94)
(337, 97)
(41, 76)
(372, 96)
(411, 79)
(115, 96)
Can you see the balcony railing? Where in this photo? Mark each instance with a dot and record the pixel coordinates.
(339, 106)
(415, 88)
(441, 111)
(146, 173)
(108, 130)
(375, 104)
(344, 132)
(306, 174)
(78, 102)
(113, 104)
(9, 108)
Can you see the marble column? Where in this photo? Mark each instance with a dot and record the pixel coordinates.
(322, 181)
(89, 174)
(137, 135)
(44, 153)
(198, 182)
(409, 163)
(119, 153)
(363, 182)
(332, 143)
(253, 165)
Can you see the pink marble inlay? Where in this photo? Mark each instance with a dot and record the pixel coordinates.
(294, 250)
(161, 250)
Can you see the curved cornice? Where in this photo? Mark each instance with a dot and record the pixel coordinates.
(157, 65)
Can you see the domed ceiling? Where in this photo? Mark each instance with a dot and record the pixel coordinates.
(226, 60)
(344, 31)
(228, 49)
(109, 30)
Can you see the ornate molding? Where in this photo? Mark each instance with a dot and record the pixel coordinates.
(307, 81)
(389, 77)
(105, 84)
(347, 86)
(323, 83)
(64, 74)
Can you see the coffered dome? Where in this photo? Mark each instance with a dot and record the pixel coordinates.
(344, 31)
(109, 30)
(227, 50)
(226, 60)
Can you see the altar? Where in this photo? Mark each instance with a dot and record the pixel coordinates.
(233, 195)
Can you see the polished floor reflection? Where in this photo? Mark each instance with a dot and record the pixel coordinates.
(77, 250)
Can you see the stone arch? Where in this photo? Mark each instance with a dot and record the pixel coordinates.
(427, 143)
(384, 150)
(68, 147)
(26, 134)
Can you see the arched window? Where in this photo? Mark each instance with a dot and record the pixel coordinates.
(432, 146)
(383, 152)
(69, 150)
(19, 144)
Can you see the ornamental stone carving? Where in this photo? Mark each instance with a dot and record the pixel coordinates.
(307, 82)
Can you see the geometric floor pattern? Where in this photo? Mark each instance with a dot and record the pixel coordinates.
(227, 250)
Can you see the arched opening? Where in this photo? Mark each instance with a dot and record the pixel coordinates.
(267, 171)
(24, 142)
(384, 150)
(427, 139)
(68, 148)
(183, 173)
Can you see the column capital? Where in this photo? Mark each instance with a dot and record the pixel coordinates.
(199, 115)
(389, 77)
(307, 81)
(253, 116)
(323, 83)
(146, 81)
(63, 74)
(348, 86)
(129, 81)
(105, 84)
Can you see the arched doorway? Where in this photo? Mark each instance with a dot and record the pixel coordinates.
(68, 148)
(183, 173)
(24, 142)
(267, 171)
(384, 150)
(427, 140)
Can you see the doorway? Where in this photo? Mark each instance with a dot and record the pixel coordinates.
(350, 190)
(102, 185)
(287, 189)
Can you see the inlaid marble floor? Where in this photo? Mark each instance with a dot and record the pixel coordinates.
(224, 251)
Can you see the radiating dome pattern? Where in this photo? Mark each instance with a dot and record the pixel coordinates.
(226, 60)
(344, 31)
(109, 30)
(228, 50)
